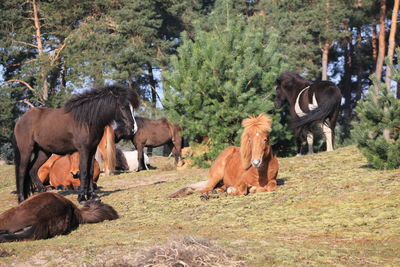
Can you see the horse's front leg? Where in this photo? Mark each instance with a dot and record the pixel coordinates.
(91, 194)
(85, 169)
(238, 189)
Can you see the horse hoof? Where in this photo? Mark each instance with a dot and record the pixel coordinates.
(204, 197)
(82, 200)
(94, 197)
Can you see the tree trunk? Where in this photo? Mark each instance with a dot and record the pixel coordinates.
(358, 65)
(45, 93)
(153, 85)
(382, 43)
(325, 53)
(392, 41)
(374, 46)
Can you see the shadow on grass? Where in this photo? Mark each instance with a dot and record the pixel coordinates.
(98, 190)
(281, 181)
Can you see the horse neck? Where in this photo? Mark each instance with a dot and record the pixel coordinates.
(263, 169)
(295, 91)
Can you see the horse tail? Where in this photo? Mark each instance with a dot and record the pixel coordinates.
(110, 148)
(190, 189)
(317, 115)
(95, 211)
(107, 149)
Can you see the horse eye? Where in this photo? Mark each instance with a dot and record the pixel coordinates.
(266, 140)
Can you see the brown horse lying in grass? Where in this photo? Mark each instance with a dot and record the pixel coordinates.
(63, 171)
(252, 167)
(47, 214)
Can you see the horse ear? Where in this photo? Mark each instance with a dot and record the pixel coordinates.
(245, 151)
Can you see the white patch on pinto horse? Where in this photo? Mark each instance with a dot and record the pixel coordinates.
(132, 160)
(312, 106)
(135, 127)
(114, 125)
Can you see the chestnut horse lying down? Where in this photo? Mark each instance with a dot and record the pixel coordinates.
(252, 167)
(63, 171)
(47, 214)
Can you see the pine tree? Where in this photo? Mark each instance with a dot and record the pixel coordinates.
(222, 77)
(379, 111)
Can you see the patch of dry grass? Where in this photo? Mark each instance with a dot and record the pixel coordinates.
(331, 209)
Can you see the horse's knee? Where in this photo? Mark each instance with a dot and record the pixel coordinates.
(272, 185)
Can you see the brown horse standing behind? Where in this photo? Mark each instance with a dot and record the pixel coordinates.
(45, 215)
(154, 133)
(64, 171)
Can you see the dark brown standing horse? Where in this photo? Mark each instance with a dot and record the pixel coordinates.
(45, 215)
(154, 133)
(78, 126)
(310, 103)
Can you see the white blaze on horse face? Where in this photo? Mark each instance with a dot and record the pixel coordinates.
(257, 151)
(135, 127)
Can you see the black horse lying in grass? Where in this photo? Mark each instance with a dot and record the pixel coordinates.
(49, 214)
(78, 126)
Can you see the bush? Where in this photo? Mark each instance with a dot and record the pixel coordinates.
(6, 152)
(222, 77)
(377, 131)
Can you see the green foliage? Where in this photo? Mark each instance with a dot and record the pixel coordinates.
(377, 131)
(222, 77)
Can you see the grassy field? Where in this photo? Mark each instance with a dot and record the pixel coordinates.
(330, 209)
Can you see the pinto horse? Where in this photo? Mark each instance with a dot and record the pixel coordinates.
(252, 167)
(78, 126)
(47, 214)
(310, 103)
(154, 133)
(63, 171)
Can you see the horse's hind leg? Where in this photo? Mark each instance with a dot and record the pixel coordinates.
(310, 142)
(26, 234)
(40, 159)
(23, 181)
(140, 150)
(328, 136)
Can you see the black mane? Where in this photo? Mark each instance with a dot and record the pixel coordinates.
(292, 80)
(97, 107)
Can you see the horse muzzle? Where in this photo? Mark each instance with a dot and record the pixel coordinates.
(76, 175)
(256, 163)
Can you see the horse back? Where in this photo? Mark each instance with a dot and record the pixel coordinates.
(226, 157)
(52, 129)
(152, 132)
(325, 91)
